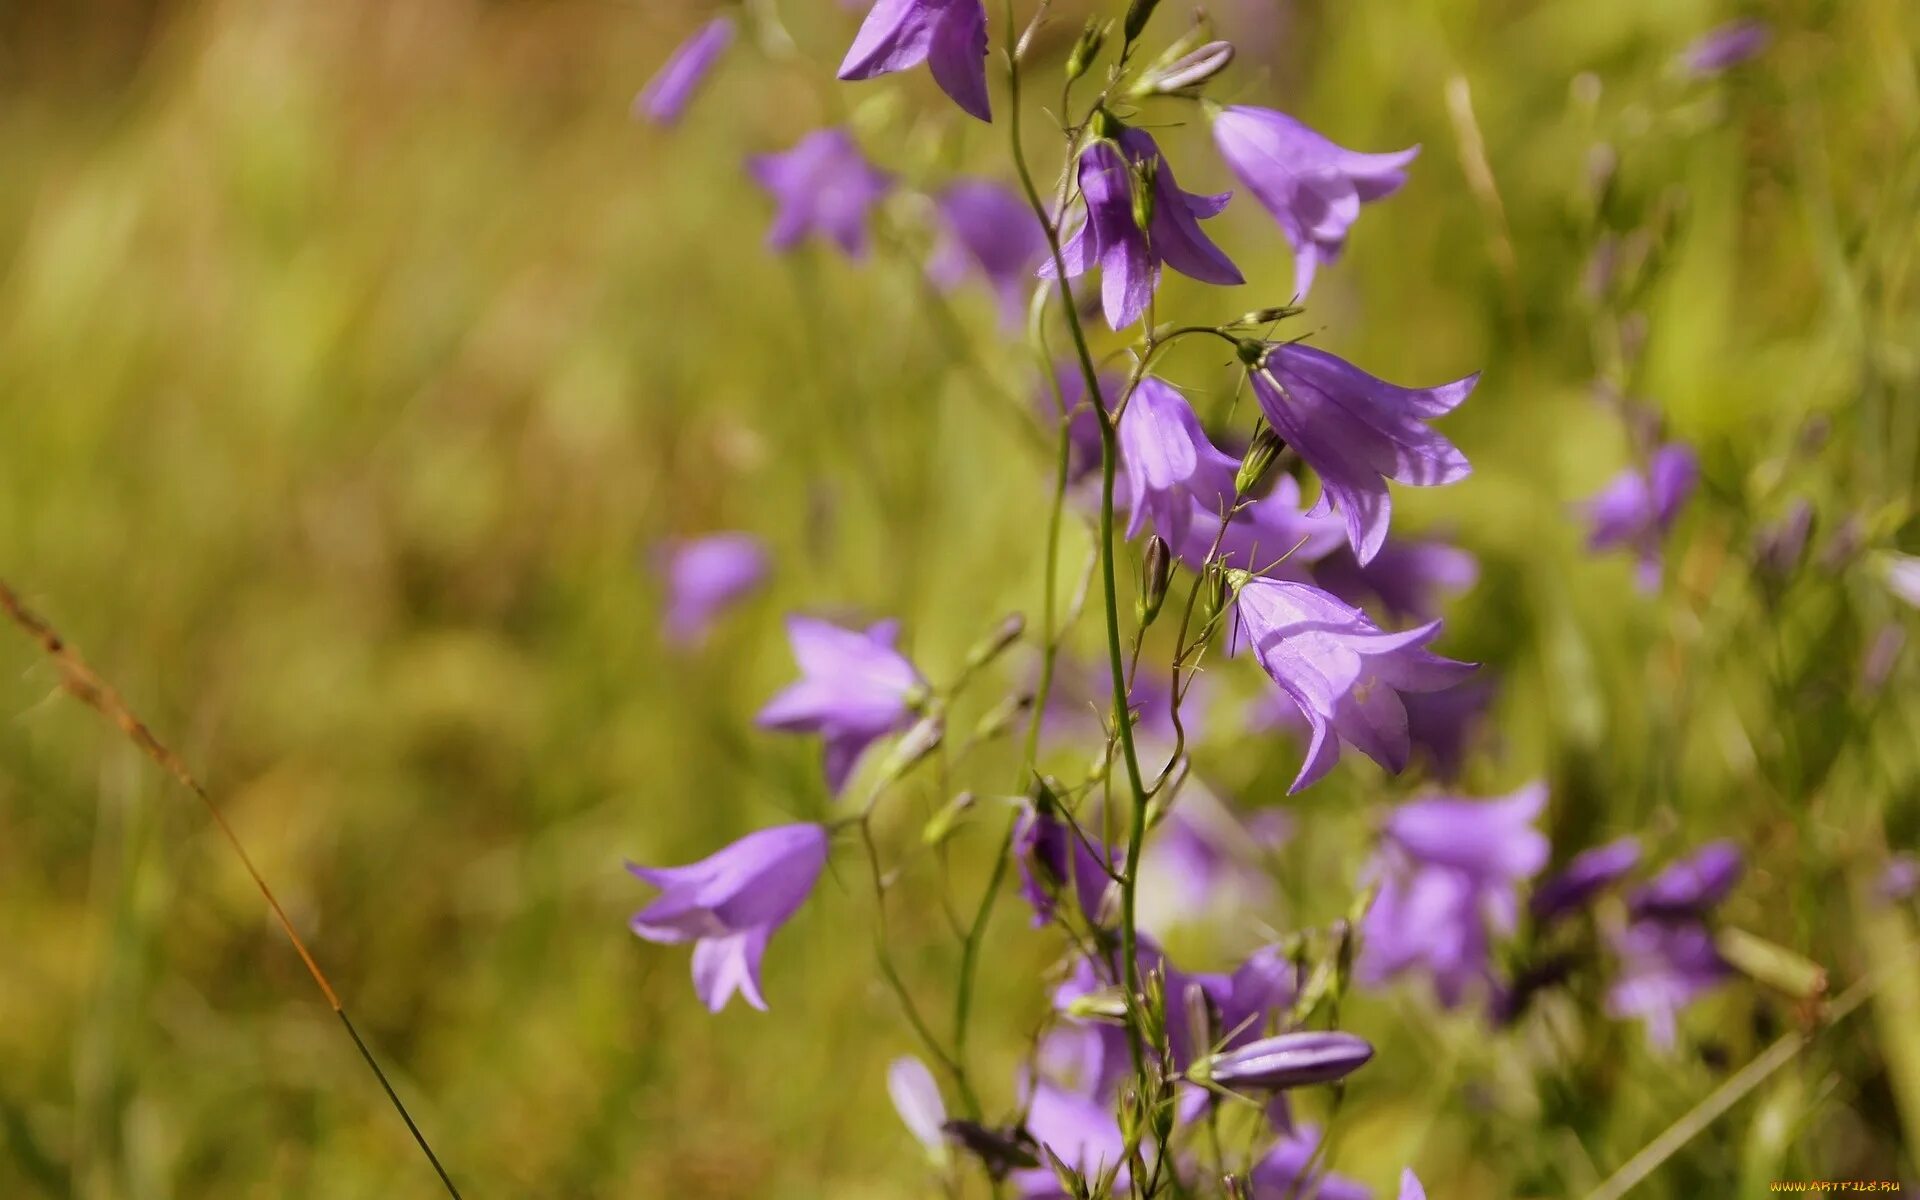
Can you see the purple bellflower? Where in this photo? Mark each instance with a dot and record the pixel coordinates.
(1170, 463)
(1054, 861)
(1343, 672)
(823, 186)
(1448, 872)
(1692, 887)
(707, 575)
(950, 36)
(1357, 432)
(1291, 1171)
(1637, 510)
(1111, 239)
(1725, 47)
(1441, 725)
(667, 94)
(1590, 873)
(1666, 957)
(1313, 188)
(1206, 860)
(729, 904)
(1288, 1060)
(986, 229)
(1405, 580)
(854, 689)
(1081, 1130)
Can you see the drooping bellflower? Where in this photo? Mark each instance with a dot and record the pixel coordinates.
(1449, 871)
(986, 229)
(1343, 672)
(1666, 958)
(729, 903)
(1441, 725)
(854, 689)
(1054, 861)
(1725, 47)
(707, 575)
(1313, 187)
(1170, 463)
(1637, 509)
(1357, 432)
(667, 94)
(950, 36)
(822, 186)
(1129, 257)
(1590, 873)
(1405, 580)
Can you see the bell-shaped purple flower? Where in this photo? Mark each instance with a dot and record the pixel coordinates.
(1206, 859)
(1449, 870)
(1287, 1060)
(1055, 861)
(1313, 188)
(1636, 510)
(666, 95)
(1661, 968)
(950, 36)
(1692, 887)
(1291, 1170)
(854, 689)
(1343, 672)
(986, 229)
(1725, 47)
(1170, 463)
(1442, 724)
(1404, 581)
(1111, 239)
(1590, 873)
(707, 575)
(729, 904)
(1357, 432)
(821, 186)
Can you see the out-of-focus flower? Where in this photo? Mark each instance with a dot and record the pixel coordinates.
(1779, 547)
(1342, 671)
(1406, 579)
(1129, 257)
(1204, 859)
(1287, 1060)
(1267, 536)
(854, 689)
(707, 575)
(729, 903)
(666, 95)
(1053, 860)
(950, 36)
(1083, 426)
(986, 229)
(1441, 724)
(1692, 887)
(1900, 880)
(1636, 510)
(916, 1097)
(1903, 577)
(1290, 1170)
(1080, 1130)
(1663, 966)
(1313, 187)
(1410, 1188)
(1725, 47)
(1357, 432)
(821, 186)
(1883, 654)
(1449, 871)
(1590, 873)
(1187, 72)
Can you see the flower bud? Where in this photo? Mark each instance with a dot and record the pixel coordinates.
(944, 823)
(1087, 48)
(1267, 316)
(1156, 567)
(918, 742)
(1188, 71)
(1002, 716)
(1139, 12)
(1108, 1005)
(1287, 1061)
(1260, 457)
(991, 646)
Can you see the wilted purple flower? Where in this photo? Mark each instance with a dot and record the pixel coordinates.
(1052, 858)
(1903, 577)
(1290, 1171)
(1691, 887)
(854, 689)
(1112, 240)
(1448, 871)
(707, 575)
(1900, 880)
(1590, 873)
(950, 36)
(1082, 1131)
(987, 229)
(1342, 671)
(1728, 46)
(1405, 579)
(1441, 724)
(821, 186)
(1313, 188)
(916, 1097)
(1637, 510)
(729, 904)
(1663, 966)
(666, 95)
(1288, 1060)
(1357, 432)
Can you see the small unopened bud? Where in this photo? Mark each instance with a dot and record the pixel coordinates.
(1260, 457)
(991, 646)
(1215, 594)
(1774, 965)
(1267, 316)
(1130, 1116)
(1002, 716)
(944, 823)
(1288, 1061)
(1087, 48)
(1072, 1185)
(918, 742)
(1146, 175)
(1156, 567)
(1107, 1004)
(1138, 14)
(1188, 71)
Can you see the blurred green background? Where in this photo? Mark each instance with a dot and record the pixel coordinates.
(354, 356)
